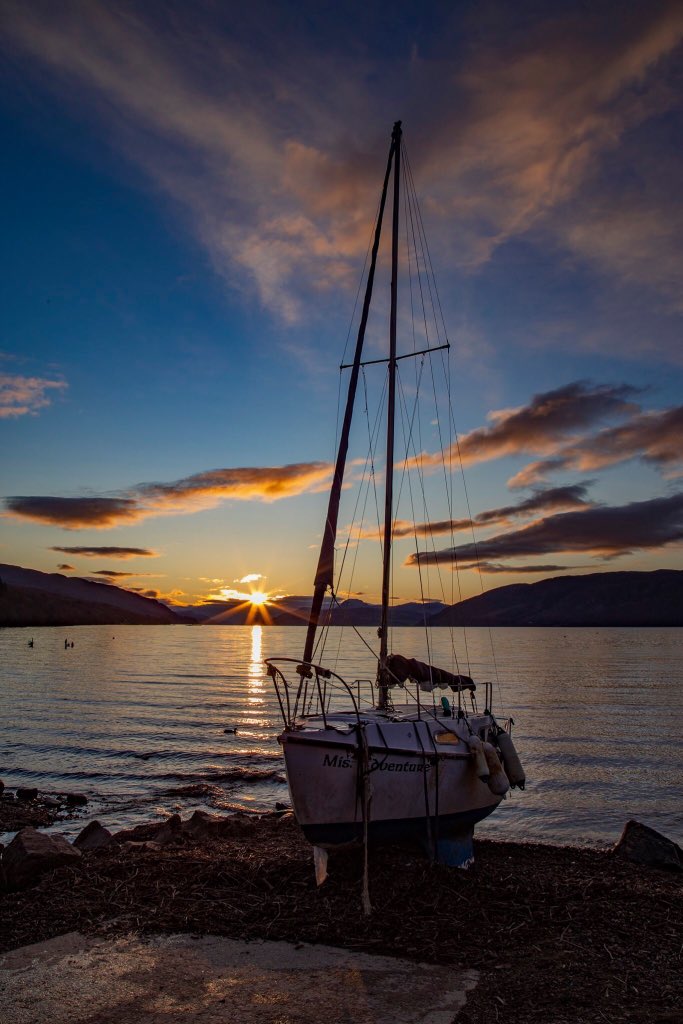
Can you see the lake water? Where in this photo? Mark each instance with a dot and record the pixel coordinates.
(134, 716)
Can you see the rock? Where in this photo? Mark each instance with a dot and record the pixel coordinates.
(50, 802)
(160, 832)
(93, 837)
(76, 799)
(26, 793)
(9, 797)
(282, 807)
(144, 847)
(643, 845)
(2, 785)
(32, 853)
(170, 831)
(203, 825)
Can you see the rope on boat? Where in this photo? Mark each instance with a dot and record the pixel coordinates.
(366, 796)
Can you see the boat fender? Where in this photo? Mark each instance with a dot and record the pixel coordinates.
(511, 761)
(480, 762)
(498, 780)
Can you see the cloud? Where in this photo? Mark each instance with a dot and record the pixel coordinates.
(247, 139)
(655, 437)
(604, 531)
(545, 111)
(191, 494)
(552, 498)
(251, 577)
(550, 418)
(267, 483)
(73, 513)
(114, 574)
(493, 567)
(24, 396)
(107, 552)
(66, 568)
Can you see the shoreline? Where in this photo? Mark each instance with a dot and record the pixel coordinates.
(558, 933)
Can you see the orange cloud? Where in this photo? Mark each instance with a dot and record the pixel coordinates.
(550, 418)
(245, 145)
(24, 396)
(654, 437)
(551, 499)
(191, 494)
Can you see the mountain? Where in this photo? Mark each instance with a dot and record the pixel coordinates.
(293, 611)
(597, 599)
(32, 598)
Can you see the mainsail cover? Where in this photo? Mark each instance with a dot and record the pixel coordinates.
(427, 676)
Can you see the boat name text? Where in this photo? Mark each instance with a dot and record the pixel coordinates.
(342, 761)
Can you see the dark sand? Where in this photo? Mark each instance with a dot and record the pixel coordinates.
(559, 934)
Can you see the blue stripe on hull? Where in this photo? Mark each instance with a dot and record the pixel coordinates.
(448, 826)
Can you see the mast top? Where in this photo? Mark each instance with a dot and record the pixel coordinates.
(396, 129)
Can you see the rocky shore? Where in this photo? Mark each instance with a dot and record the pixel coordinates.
(558, 934)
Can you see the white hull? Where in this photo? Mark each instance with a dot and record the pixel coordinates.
(400, 781)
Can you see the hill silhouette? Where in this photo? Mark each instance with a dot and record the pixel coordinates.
(596, 599)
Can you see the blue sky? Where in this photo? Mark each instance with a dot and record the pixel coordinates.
(188, 194)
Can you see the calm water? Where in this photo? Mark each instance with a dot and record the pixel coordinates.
(134, 716)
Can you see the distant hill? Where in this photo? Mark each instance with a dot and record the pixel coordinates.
(32, 598)
(293, 611)
(597, 599)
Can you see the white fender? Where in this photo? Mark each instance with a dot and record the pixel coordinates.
(511, 762)
(480, 762)
(498, 780)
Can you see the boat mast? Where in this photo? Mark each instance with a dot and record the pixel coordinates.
(324, 576)
(382, 678)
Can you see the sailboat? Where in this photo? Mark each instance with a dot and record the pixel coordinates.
(361, 766)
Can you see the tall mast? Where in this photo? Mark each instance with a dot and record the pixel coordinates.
(324, 576)
(389, 491)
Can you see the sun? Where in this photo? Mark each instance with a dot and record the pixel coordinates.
(258, 597)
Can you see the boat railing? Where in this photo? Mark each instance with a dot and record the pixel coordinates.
(314, 692)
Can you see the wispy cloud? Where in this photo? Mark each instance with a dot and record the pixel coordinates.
(26, 396)
(655, 437)
(106, 552)
(498, 567)
(244, 139)
(549, 418)
(604, 531)
(553, 498)
(114, 574)
(191, 494)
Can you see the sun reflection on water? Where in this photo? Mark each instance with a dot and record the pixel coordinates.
(256, 666)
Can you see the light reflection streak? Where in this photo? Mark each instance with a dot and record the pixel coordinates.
(256, 666)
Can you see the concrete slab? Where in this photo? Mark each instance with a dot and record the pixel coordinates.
(75, 979)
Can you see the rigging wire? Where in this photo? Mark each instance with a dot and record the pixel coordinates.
(419, 242)
(409, 177)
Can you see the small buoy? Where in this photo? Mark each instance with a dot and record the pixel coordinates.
(480, 763)
(498, 780)
(511, 761)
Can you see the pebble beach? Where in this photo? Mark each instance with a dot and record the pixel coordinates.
(557, 933)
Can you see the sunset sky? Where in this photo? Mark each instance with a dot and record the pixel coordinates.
(188, 193)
